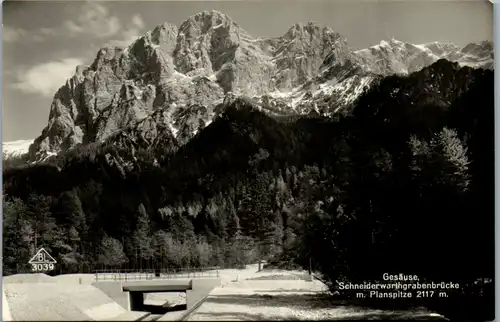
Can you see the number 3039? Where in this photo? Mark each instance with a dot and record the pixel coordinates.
(42, 267)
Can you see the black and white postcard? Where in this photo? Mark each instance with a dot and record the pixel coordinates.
(248, 160)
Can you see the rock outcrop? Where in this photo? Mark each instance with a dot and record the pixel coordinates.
(172, 79)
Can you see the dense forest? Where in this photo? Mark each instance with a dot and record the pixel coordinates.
(403, 183)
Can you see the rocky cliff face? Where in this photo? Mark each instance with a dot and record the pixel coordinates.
(397, 57)
(299, 54)
(168, 83)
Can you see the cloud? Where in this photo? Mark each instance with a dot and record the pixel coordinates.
(90, 18)
(46, 78)
(131, 32)
(137, 21)
(129, 36)
(93, 18)
(47, 32)
(11, 35)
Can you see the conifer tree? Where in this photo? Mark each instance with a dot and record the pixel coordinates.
(111, 252)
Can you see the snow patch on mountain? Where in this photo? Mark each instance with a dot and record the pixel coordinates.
(188, 71)
(15, 148)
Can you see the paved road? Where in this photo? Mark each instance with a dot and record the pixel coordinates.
(283, 295)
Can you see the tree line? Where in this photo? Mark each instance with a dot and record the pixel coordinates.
(401, 183)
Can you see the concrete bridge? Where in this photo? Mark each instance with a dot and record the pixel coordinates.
(131, 294)
(137, 289)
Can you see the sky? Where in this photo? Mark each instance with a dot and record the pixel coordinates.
(44, 41)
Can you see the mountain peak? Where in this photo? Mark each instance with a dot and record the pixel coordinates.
(166, 27)
(301, 25)
(208, 19)
(310, 28)
(15, 148)
(389, 44)
(394, 41)
(105, 55)
(174, 69)
(163, 35)
(80, 69)
(477, 47)
(209, 13)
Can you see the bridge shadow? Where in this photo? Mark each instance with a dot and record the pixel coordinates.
(158, 309)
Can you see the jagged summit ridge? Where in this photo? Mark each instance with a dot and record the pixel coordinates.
(299, 54)
(394, 56)
(187, 71)
(202, 39)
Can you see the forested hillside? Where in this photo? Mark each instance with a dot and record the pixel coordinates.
(403, 183)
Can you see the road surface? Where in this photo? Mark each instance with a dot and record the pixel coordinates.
(284, 295)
